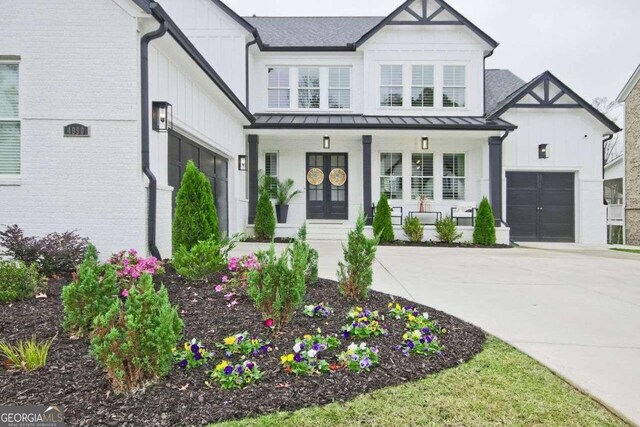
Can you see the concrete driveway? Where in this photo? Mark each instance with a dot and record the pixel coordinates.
(575, 309)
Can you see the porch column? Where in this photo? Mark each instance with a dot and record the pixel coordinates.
(252, 170)
(495, 176)
(366, 177)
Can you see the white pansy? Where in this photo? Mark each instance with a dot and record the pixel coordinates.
(425, 315)
(297, 347)
(363, 345)
(353, 346)
(312, 353)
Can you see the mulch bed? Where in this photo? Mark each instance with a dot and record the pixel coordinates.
(285, 240)
(431, 244)
(72, 378)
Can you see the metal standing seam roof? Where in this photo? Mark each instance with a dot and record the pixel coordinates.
(350, 121)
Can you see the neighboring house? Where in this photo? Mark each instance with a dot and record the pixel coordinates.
(630, 97)
(614, 196)
(400, 104)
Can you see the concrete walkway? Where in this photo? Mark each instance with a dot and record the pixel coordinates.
(575, 309)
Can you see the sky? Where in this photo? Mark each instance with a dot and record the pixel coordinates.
(593, 46)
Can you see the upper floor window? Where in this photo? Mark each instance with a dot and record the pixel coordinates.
(454, 86)
(279, 91)
(340, 88)
(391, 86)
(309, 88)
(453, 181)
(422, 175)
(422, 86)
(391, 175)
(9, 120)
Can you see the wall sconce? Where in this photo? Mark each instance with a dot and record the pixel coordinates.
(544, 151)
(242, 162)
(425, 143)
(326, 142)
(161, 116)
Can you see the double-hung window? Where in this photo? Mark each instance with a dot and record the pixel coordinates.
(308, 88)
(391, 86)
(271, 172)
(391, 175)
(453, 180)
(422, 175)
(422, 86)
(9, 120)
(279, 91)
(454, 89)
(340, 88)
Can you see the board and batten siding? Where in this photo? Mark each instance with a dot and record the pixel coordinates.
(78, 64)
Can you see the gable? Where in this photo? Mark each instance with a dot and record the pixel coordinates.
(547, 91)
(428, 13)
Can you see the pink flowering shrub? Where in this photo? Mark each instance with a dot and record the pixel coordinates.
(237, 273)
(130, 267)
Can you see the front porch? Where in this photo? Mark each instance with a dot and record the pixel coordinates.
(342, 172)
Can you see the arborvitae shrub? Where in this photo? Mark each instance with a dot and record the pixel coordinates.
(484, 232)
(265, 222)
(196, 218)
(311, 273)
(413, 229)
(133, 341)
(203, 259)
(382, 226)
(447, 231)
(355, 274)
(92, 292)
(278, 287)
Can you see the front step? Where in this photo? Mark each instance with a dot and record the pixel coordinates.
(327, 230)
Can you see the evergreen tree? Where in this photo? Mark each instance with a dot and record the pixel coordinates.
(265, 222)
(382, 226)
(195, 218)
(355, 273)
(484, 232)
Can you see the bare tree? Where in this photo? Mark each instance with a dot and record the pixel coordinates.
(615, 147)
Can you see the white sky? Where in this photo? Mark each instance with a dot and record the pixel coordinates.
(591, 45)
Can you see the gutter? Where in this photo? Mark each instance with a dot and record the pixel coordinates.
(146, 169)
(604, 155)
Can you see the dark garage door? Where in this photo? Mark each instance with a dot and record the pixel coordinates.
(541, 206)
(215, 167)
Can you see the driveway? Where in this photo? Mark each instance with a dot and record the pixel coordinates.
(575, 309)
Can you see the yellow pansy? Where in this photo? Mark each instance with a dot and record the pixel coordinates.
(307, 337)
(405, 336)
(358, 309)
(363, 319)
(398, 307)
(390, 304)
(416, 334)
(411, 317)
(283, 359)
(222, 365)
(289, 357)
(229, 340)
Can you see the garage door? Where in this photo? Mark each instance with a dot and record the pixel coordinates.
(215, 167)
(541, 206)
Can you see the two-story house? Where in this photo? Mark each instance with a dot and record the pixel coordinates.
(348, 107)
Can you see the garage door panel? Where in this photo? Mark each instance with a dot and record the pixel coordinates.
(541, 206)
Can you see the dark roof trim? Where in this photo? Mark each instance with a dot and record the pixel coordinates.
(161, 15)
(239, 19)
(353, 122)
(444, 6)
(548, 77)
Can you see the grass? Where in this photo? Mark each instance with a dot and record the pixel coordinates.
(500, 386)
(631, 251)
(27, 355)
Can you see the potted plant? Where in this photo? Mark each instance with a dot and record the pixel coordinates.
(283, 197)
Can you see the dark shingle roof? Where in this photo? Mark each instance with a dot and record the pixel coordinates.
(312, 31)
(500, 84)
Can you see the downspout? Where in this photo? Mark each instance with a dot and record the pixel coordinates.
(246, 69)
(502, 138)
(146, 169)
(604, 159)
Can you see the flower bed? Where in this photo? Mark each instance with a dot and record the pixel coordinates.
(193, 396)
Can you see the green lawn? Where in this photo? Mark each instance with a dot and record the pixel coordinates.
(501, 386)
(631, 251)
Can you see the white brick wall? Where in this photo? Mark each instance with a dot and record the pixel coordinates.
(79, 63)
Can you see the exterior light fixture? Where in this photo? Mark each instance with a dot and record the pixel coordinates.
(326, 142)
(544, 151)
(242, 162)
(425, 143)
(161, 116)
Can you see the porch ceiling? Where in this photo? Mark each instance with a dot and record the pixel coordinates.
(351, 121)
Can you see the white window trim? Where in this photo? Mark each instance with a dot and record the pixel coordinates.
(329, 88)
(432, 176)
(433, 86)
(402, 175)
(402, 87)
(309, 88)
(14, 179)
(270, 88)
(465, 87)
(443, 177)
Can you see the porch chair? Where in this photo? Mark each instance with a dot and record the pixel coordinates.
(465, 211)
(397, 213)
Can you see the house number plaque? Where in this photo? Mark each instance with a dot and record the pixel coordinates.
(76, 130)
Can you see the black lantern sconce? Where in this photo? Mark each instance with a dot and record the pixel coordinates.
(326, 142)
(161, 116)
(544, 151)
(425, 143)
(242, 162)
